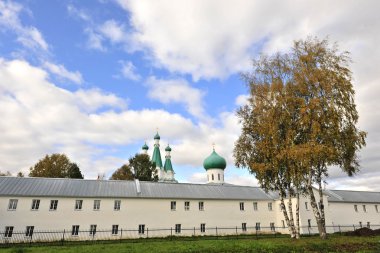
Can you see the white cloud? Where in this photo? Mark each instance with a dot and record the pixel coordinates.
(128, 70)
(95, 40)
(113, 31)
(241, 100)
(179, 91)
(62, 72)
(39, 118)
(28, 36)
(77, 13)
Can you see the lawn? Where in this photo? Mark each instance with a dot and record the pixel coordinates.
(283, 245)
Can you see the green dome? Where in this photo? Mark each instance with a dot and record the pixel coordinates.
(157, 136)
(168, 148)
(145, 147)
(214, 161)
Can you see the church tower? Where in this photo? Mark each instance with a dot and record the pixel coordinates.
(168, 168)
(156, 157)
(166, 172)
(214, 164)
(145, 149)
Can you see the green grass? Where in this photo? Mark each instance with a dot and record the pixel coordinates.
(283, 245)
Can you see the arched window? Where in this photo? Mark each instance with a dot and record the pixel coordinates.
(219, 177)
(212, 177)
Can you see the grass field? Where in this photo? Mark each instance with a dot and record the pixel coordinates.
(283, 245)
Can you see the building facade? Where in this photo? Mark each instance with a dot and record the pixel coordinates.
(81, 208)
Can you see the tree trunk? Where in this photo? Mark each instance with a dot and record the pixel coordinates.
(313, 204)
(322, 210)
(291, 219)
(298, 216)
(283, 208)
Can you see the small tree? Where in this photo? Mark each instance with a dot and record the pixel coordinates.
(140, 167)
(55, 166)
(123, 173)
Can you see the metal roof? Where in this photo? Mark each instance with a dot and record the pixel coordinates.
(353, 196)
(63, 187)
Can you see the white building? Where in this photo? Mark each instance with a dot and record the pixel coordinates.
(82, 208)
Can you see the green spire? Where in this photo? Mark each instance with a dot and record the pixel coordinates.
(157, 156)
(168, 163)
(157, 136)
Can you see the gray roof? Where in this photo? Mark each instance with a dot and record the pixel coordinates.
(63, 187)
(353, 196)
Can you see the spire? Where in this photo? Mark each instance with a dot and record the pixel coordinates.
(168, 163)
(156, 151)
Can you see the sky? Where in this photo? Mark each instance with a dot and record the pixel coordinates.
(96, 79)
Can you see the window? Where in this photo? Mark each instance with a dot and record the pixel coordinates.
(96, 204)
(35, 204)
(177, 228)
(272, 228)
(219, 177)
(12, 204)
(53, 205)
(244, 227)
(115, 229)
(212, 177)
(29, 231)
(75, 230)
(8, 232)
(356, 208)
(116, 205)
(173, 205)
(187, 205)
(364, 209)
(283, 223)
(203, 227)
(257, 225)
(201, 206)
(78, 204)
(92, 230)
(309, 223)
(360, 224)
(270, 206)
(377, 210)
(241, 206)
(368, 224)
(141, 229)
(255, 206)
(306, 206)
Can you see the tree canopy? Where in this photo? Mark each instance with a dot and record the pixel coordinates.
(139, 167)
(300, 119)
(55, 166)
(123, 173)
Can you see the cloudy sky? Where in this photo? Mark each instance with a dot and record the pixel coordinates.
(95, 79)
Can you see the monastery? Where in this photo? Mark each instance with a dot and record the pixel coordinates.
(82, 208)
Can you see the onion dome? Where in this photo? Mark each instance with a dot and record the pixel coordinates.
(145, 147)
(157, 136)
(214, 161)
(168, 148)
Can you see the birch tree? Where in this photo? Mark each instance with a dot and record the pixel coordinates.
(300, 119)
(268, 130)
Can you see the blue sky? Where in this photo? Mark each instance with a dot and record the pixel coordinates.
(95, 79)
